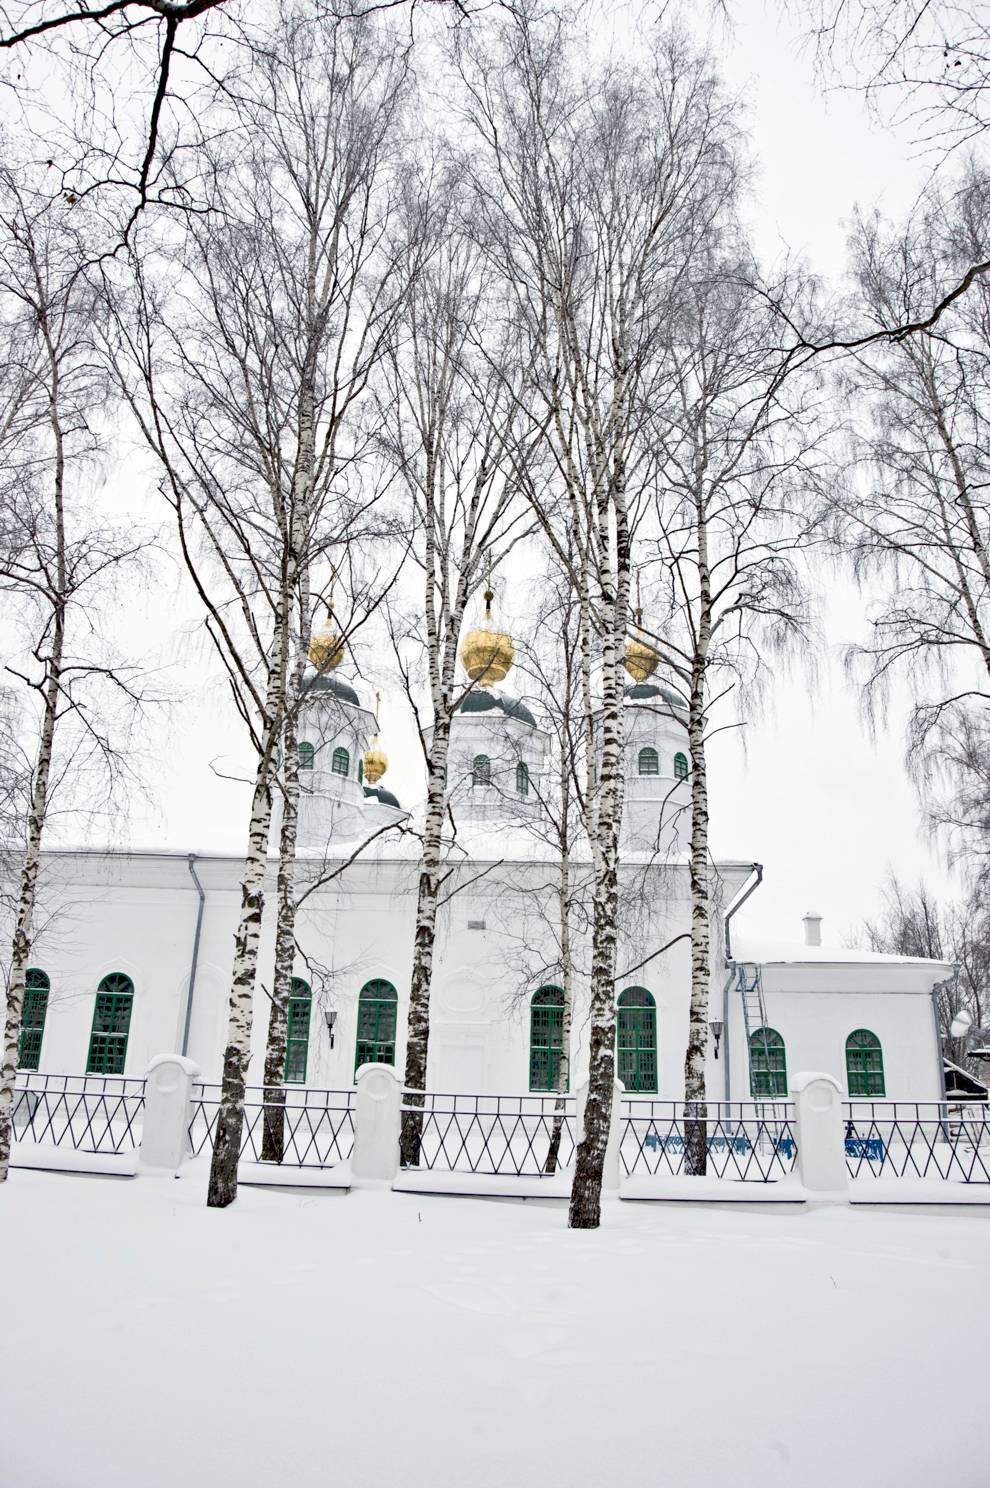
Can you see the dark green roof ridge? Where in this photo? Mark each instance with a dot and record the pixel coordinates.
(479, 700)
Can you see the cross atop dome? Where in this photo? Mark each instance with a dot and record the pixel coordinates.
(641, 659)
(487, 653)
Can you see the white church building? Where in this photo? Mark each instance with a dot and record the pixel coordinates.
(133, 955)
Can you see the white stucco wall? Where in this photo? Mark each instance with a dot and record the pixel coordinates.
(814, 1008)
(136, 913)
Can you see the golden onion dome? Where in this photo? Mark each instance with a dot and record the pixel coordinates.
(487, 653)
(326, 646)
(640, 660)
(375, 761)
(375, 758)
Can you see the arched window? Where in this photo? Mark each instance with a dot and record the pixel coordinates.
(546, 1038)
(340, 761)
(481, 770)
(33, 1012)
(680, 767)
(522, 778)
(111, 1025)
(636, 1040)
(864, 1064)
(377, 1009)
(306, 754)
(767, 1063)
(649, 761)
(297, 1031)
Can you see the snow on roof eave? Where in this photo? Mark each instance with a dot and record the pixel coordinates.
(948, 1064)
(778, 953)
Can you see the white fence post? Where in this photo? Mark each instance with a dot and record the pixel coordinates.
(377, 1117)
(167, 1101)
(610, 1172)
(820, 1132)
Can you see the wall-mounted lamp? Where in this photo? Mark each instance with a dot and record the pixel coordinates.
(716, 1026)
(331, 1018)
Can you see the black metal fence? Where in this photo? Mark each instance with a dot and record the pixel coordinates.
(509, 1135)
(316, 1127)
(88, 1113)
(918, 1139)
(752, 1141)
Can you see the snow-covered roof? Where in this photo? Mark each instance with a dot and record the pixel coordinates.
(957, 1069)
(782, 952)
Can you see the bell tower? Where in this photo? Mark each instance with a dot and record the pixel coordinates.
(497, 750)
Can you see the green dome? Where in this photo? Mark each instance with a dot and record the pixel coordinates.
(336, 686)
(480, 701)
(385, 797)
(650, 691)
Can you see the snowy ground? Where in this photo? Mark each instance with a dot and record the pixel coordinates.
(382, 1339)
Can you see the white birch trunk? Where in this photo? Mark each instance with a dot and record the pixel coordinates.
(418, 1028)
(230, 1120)
(585, 1205)
(38, 813)
(567, 980)
(273, 1130)
(695, 1109)
(21, 947)
(273, 1136)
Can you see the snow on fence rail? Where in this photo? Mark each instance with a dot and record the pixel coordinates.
(317, 1125)
(917, 1139)
(504, 1134)
(89, 1113)
(753, 1141)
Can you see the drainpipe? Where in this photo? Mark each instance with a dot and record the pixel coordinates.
(187, 1017)
(756, 874)
(727, 1091)
(738, 903)
(939, 1050)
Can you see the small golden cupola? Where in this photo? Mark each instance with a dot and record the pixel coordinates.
(640, 659)
(487, 653)
(375, 758)
(326, 645)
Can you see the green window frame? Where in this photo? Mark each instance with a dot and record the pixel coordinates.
(680, 766)
(297, 1031)
(111, 1025)
(649, 761)
(864, 1064)
(636, 1041)
(307, 754)
(361, 770)
(340, 761)
(767, 1064)
(34, 1011)
(378, 1006)
(546, 1038)
(481, 770)
(522, 778)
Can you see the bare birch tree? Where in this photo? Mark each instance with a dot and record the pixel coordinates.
(728, 528)
(546, 928)
(451, 428)
(58, 558)
(249, 398)
(925, 63)
(594, 181)
(918, 517)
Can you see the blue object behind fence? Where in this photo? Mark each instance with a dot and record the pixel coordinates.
(869, 1147)
(653, 1140)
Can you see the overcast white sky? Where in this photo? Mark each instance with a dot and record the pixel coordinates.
(821, 805)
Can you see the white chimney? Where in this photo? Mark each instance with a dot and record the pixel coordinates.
(812, 928)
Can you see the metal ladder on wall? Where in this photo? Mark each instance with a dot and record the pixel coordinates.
(749, 981)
